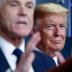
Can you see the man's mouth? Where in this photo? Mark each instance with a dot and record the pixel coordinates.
(22, 22)
(57, 41)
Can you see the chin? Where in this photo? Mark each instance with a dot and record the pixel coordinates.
(16, 35)
(22, 35)
(57, 48)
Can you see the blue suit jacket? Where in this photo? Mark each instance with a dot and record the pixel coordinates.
(3, 62)
(42, 62)
(66, 52)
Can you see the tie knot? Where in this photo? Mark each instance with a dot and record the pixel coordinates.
(17, 52)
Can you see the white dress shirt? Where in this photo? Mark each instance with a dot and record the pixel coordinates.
(8, 49)
(56, 61)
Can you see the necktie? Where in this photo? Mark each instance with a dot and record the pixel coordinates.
(17, 52)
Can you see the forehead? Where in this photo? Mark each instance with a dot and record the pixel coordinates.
(22, 1)
(53, 17)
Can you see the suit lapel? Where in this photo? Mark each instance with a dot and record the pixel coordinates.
(42, 62)
(3, 62)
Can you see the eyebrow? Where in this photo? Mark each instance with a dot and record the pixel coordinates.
(30, 2)
(13, 1)
(50, 21)
(55, 22)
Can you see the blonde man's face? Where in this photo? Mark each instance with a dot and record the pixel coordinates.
(17, 17)
(54, 29)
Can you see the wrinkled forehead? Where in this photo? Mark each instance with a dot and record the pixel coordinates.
(4, 1)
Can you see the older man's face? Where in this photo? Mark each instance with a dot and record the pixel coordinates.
(17, 17)
(54, 31)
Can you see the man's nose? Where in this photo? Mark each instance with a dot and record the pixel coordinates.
(22, 11)
(57, 31)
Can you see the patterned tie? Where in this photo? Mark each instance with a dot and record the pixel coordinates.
(17, 52)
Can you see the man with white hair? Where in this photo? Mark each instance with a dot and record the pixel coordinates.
(16, 22)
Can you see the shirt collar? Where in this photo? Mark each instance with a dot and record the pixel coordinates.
(56, 60)
(8, 49)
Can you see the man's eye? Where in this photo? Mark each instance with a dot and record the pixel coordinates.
(63, 26)
(50, 27)
(14, 4)
(29, 5)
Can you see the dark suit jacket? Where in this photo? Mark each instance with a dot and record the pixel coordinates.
(66, 52)
(66, 67)
(42, 62)
(3, 62)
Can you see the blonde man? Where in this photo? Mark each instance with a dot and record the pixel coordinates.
(51, 22)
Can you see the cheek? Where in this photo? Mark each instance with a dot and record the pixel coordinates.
(30, 21)
(31, 15)
(63, 33)
(11, 14)
(29, 28)
(50, 34)
(46, 36)
(9, 22)
(31, 18)
(6, 20)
